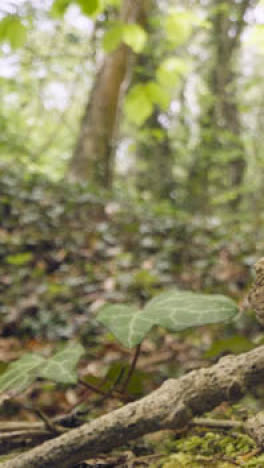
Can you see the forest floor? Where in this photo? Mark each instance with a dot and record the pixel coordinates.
(64, 253)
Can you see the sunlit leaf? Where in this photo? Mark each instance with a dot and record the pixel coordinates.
(62, 366)
(88, 7)
(157, 94)
(138, 105)
(134, 36)
(59, 7)
(113, 37)
(12, 30)
(171, 70)
(178, 25)
(256, 36)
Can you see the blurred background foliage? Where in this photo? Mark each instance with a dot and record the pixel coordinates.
(131, 154)
(131, 161)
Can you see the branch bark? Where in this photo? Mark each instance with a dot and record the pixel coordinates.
(172, 406)
(255, 428)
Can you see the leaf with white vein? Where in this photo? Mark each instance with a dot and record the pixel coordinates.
(174, 310)
(62, 366)
(127, 323)
(178, 310)
(21, 374)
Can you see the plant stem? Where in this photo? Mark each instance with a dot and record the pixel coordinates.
(131, 369)
(112, 394)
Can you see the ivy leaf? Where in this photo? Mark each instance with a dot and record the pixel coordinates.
(174, 310)
(127, 323)
(61, 367)
(178, 310)
(12, 30)
(21, 374)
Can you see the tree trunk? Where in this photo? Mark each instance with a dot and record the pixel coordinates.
(220, 135)
(92, 160)
(155, 161)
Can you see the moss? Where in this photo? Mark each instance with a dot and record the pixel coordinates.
(255, 462)
(183, 460)
(211, 444)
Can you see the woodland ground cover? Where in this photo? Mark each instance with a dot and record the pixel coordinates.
(65, 251)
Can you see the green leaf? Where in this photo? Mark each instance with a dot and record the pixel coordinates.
(62, 366)
(235, 344)
(171, 71)
(20, 374)
(12, 30)
(157, 94)
(178, 26)
(59, 368)
(134, 36)
(88, 7)
(113, 37)
(174, 310)
(115, 3)
(178, 310)
(127, 323)
(59, 7)
(19, 259)
(256, 36)
(138, 105)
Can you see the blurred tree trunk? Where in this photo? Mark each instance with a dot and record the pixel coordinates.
(92, 159)
(221, 144)
(154, 171)
(155, 161)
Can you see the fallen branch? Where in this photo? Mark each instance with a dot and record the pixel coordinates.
(255, 428)
(172, 406)
(218, 423)
(16, 440)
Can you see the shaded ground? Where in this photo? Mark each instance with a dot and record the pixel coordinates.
(64, 252)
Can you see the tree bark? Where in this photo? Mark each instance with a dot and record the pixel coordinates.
(220, 132)
(92, 159)
(172, 406)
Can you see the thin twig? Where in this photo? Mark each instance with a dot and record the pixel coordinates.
(113, 394)
(217, 423)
